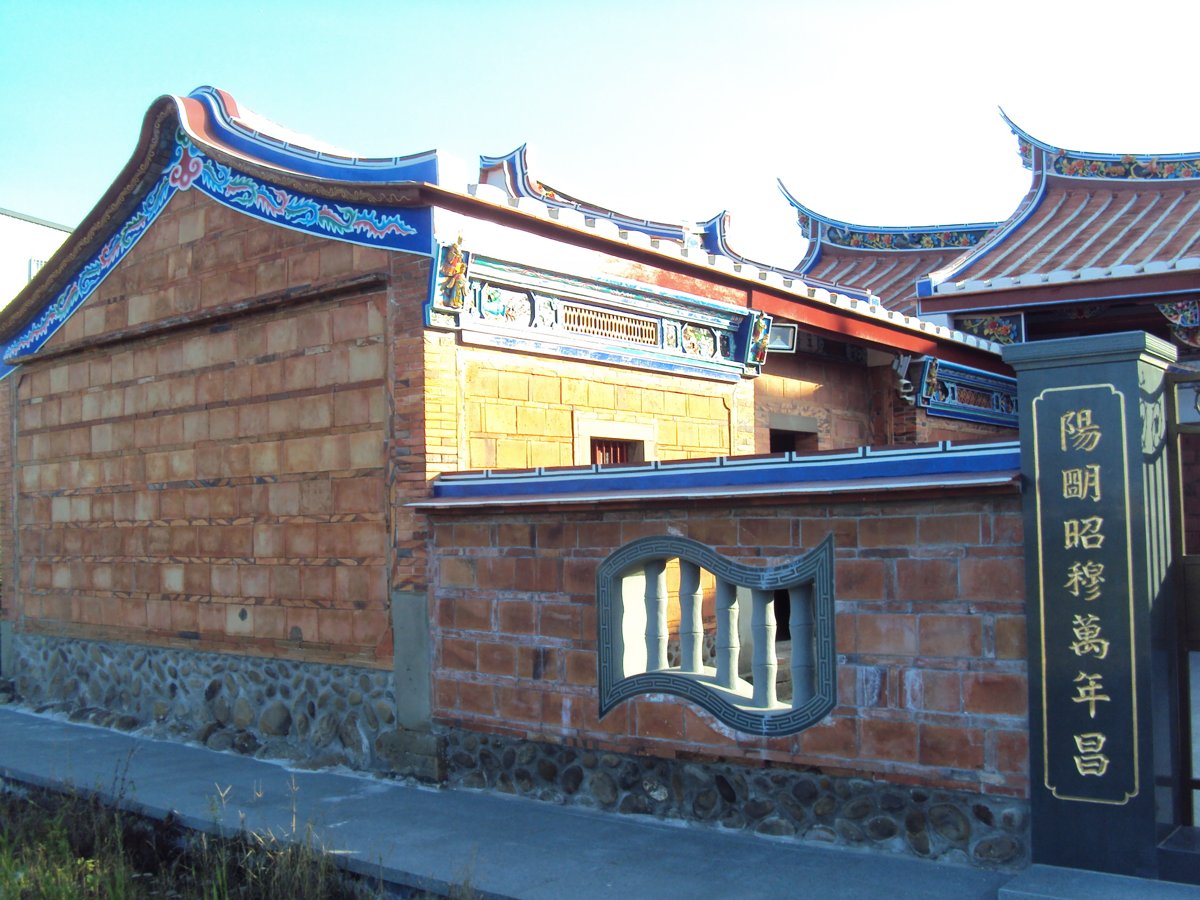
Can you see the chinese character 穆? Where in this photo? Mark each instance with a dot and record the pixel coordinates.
(1090, 760)
(1077, 429)
(1089, 692)
(1087, 637)
(1083, 533)
(1082, 483)
(1086, 577)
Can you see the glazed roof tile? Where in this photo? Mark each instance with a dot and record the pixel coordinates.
(887, 261)
(1088, 217)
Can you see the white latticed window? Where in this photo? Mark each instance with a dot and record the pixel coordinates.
(676, 617)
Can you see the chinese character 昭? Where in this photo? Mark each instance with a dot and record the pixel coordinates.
(1087, 637)
(1083, 533)
(1089, 692)
(1086, 577)
(1076, 428)
(1090, 760)
(1082, 484)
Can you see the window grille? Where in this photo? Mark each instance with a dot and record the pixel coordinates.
(610, 451)
(603, 323)
(653, 582)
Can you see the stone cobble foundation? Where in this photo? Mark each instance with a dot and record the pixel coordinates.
(798, 803)
(309, 714)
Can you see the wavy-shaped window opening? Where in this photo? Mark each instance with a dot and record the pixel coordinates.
(753, 645)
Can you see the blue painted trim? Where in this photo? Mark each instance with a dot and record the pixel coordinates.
(419, 167)
(945, 459)
(54, 315)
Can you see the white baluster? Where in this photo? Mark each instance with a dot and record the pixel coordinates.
(800, 623)
(727, 639)
(656, 614)
(691, 618)
(764, 664)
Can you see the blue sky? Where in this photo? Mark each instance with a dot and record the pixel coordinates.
(870, 111)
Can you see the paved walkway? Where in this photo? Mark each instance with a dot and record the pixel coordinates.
(503, 846)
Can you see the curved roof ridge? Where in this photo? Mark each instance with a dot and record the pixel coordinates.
(885, 237)
(715, 239)
(511, 172)
(212, 116)
(1103, 166)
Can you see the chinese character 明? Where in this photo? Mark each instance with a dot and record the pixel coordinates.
(1090, 760)
(1076, 428)
(1082, 484)
(1083, 533)
(1089, 692)
(1087, 637)
(1086, 578)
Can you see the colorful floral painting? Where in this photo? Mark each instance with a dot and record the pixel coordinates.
(1127, 167)
(1000, 329)
(933, 239)
(698, 341)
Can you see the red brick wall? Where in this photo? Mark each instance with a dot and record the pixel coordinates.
(218, 485)
(930, 634)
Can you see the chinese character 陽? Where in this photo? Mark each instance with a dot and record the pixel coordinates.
(1089, 692)
(1082, 484)
(1087, 637)
(1076, 428)
(1090, 760)
(1086, 577)
(1083, 533)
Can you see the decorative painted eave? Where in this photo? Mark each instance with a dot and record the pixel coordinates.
(1038, 156)
(777, 478)
(511, 174)
(823, 230)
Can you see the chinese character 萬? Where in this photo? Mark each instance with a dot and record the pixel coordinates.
(1089, 692)
(1087, 637)
(1090, 760)
(1083, 533)
(1077, 429)
(1082, 483)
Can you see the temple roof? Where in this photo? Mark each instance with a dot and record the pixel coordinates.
(885, 260)
(1089, 218)
(209, 143)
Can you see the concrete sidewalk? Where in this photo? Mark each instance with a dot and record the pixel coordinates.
(502, 846)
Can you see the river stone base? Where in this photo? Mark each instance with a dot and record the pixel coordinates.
(953, 826)
(309, 714)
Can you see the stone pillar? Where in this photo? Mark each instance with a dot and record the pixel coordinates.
(1103, 685)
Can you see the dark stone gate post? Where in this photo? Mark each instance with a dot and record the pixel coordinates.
(1102, 682)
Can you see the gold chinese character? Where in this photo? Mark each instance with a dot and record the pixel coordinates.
(1083, 533)
(1091, 761)
(1076, 428)
(1086, 578)
(1082, 484)
(1089, 692)
(1087, 637)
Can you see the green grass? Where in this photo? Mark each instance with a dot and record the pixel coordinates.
(55, 845)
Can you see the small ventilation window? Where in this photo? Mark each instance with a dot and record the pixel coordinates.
(676, 617)
(611, 451)
(602, 323)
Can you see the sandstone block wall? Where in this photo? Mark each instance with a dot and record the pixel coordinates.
(929, 625)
